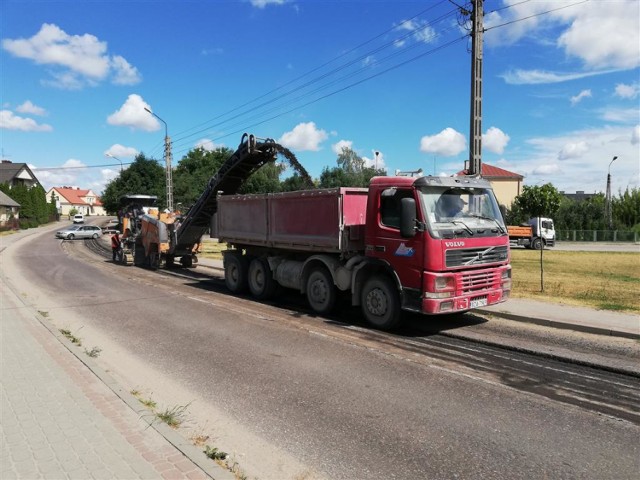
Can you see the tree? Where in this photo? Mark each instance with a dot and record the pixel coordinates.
(539, 201)
(626, 209)
(145, 176)
(352, 171)
(194, 171)
(264, 180)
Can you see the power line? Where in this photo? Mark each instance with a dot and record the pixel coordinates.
(180, 140)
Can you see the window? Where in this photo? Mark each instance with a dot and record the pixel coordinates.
(390, 206)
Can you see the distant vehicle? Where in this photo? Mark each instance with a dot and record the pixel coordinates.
(79, 218)
(536, 233)
(79, 231)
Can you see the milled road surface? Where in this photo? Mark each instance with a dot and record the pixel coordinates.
(290, 395)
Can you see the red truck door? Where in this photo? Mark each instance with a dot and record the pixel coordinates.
(406, 255)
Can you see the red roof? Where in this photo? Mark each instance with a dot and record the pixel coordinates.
(491, 172)
(75, 195)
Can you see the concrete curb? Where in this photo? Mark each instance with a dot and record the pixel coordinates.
(561, 325)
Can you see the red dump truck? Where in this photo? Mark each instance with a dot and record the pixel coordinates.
(391, 247)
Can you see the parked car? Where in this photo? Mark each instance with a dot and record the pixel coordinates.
(79, 231)
(78, 218)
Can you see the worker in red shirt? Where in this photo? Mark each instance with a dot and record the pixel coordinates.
(115, 245)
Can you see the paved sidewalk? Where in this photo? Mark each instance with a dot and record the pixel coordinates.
(581, 319)
(60, 419)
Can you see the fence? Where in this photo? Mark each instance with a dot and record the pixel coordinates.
(596, 236)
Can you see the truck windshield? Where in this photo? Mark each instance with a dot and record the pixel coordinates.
(461, 212)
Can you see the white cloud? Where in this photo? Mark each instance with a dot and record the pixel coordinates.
(304, 136)
(622, 115)
(578, 98)
(535, 77)
(585, 157)
(28, 107)
(573, 150)
(420, 30)
(547, 169)
(495, 140)
(628, 91)
(67, 174)
(123, 72)
(81, 59)
(446, 143)
(120, 151)
(338, 146)
(264, 3)
(9, 121)
(208, 145)
(602, 35)
(635, 135)
(133, 114)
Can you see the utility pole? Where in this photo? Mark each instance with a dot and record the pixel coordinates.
(475, 137)
(607, 205)
(167, 161)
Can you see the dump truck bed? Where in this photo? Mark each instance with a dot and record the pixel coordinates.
(519, 231)
(325, 220)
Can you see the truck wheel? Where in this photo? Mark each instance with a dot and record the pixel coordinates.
(236, 269)
(381, 302)
(537, 244)
(261, 282)
(321, 292)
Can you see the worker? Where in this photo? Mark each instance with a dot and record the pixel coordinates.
(450, 205)
(115, 245)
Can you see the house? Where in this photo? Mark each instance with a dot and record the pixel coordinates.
(15, 174)
(69, 198)
(9, 211)
(506, 185)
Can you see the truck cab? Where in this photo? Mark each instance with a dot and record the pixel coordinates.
(442, 241)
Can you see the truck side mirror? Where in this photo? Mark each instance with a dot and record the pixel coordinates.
(407, 217)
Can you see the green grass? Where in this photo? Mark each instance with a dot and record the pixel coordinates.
(602, 280)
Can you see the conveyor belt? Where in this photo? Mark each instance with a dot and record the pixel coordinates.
(251, 154)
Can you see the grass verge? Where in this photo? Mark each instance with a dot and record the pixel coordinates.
(602, 280)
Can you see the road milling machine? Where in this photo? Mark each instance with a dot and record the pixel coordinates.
(154, 238)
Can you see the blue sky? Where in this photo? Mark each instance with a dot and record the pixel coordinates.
(561, 92)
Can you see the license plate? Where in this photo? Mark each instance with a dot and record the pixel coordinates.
(478, 302)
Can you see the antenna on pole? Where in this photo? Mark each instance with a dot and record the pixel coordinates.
(475, 137)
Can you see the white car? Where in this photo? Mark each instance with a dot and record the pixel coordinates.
(79, 231)
(78, 218)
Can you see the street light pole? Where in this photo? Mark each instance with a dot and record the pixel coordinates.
(167, 160)
(113, 156)
(608, 212)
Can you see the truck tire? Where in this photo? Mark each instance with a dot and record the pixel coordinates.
(537, 244)
(321, 292)
(381, 302)
(261, 282)
(236, 273)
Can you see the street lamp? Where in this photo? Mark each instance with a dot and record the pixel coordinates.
(167, 160)
(608, 196)
(113, 156)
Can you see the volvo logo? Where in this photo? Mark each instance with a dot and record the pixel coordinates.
(454, 244)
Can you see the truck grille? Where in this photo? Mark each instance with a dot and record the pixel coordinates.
(478, 281)
(476, 256)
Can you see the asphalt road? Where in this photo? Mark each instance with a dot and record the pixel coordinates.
(291, 395)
